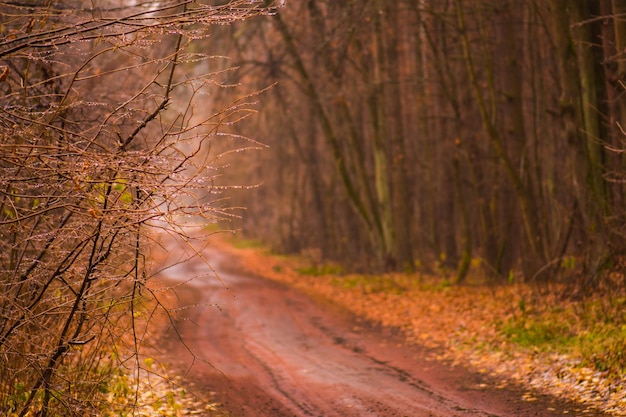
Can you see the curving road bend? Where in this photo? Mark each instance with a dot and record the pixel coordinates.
(266, 350)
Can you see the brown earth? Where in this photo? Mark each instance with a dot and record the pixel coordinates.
(263, 348)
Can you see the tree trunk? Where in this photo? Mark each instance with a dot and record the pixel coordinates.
(535, 259)
(401, 199)
(580, 119)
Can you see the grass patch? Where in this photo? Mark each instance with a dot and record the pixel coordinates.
(370, 284)
(604, 349)
(537, 333)
(241, 243)
(593, 330)
(319, 270)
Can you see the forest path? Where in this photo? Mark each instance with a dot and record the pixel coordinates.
(262, 348)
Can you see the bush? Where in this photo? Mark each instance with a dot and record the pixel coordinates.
(101, 146)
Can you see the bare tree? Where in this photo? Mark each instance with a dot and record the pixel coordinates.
(106, 127)
(456, 134)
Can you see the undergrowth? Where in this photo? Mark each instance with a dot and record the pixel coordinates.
(319, 270)
(593, 329)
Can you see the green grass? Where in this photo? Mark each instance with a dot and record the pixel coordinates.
(319, 270)
(241, 243)
(370, 284)
(604, 349)
(530, 332)
(592, 330)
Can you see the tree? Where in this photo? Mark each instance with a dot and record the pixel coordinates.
(484, 145)
(104, 140)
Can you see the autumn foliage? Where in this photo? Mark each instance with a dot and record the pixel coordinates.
(103, 139)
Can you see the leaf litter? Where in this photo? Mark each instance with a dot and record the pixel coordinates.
(472, 325)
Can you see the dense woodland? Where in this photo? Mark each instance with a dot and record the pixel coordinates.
(468, 135)
(457, 136)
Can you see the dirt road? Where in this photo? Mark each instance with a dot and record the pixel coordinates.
(265, 350)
